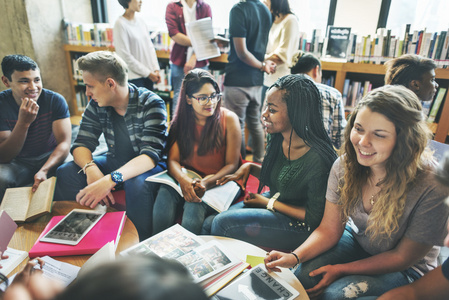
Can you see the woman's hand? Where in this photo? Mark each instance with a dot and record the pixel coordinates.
(255, 200)
(30, 284)
(188, 190)
(199, 187)
(276, 259)
(242, 173)
(330, 274)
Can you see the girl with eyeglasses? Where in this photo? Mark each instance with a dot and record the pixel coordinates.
(203, 137)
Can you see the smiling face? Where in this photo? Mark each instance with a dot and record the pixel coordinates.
(373, 137)
(24, 84)
(206, 111)
(274, 116)
(97, 91)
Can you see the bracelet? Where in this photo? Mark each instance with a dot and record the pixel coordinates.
(262, 69)
(297, 259)
(87, 165)
(270, 205)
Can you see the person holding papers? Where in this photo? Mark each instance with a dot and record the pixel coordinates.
(296, 166)
(203, 137)
(133, 44)
(182, 57)
(385, 214)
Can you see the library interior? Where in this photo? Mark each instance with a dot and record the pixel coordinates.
(354, 47)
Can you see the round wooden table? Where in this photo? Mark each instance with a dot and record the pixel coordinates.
(26, 234)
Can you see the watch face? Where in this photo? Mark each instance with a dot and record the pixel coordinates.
(117, 177)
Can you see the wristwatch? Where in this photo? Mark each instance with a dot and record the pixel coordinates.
(270, 205)
(117, 177)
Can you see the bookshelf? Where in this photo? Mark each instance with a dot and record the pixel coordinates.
(78, 88)
(341, 70)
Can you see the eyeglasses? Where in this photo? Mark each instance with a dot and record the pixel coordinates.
(204, 100)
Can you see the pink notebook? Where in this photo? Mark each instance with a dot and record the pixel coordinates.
(8, 227)
(109, 228)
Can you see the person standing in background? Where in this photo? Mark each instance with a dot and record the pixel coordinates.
(249, 26)
(182, 57)
(283, 40)
(133, 44)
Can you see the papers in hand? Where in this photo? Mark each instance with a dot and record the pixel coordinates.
(219, 197)
(201, 33)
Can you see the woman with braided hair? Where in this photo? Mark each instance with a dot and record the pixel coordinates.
(384, 215)
(296, 166)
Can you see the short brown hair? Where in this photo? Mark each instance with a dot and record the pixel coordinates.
(408, 67)
(104, 65)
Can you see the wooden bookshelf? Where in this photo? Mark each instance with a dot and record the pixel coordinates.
(341, 70)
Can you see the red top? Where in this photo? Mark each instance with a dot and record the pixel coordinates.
(214, 160)
(174, 17)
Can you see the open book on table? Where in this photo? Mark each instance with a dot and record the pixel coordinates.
(210, 264)
(219, 197)
(22, 205)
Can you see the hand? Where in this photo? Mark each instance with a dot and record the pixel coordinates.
(330, 273)
(27, 111)
(276, 259)
(38, 178)
(190, 64)
(221, 41)
(199, 188)
(255, 200)
(242, 173)
(98, 191)
(270, 67)
(155, 77)
(30, 284)
(188, 190)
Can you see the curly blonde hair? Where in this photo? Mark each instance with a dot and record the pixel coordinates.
(409, 157)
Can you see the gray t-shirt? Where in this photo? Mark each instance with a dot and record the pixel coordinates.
(423, 221)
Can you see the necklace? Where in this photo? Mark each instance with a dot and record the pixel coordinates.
(372, 200)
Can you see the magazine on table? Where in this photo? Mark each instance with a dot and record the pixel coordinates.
(257, 284)
(203, 260)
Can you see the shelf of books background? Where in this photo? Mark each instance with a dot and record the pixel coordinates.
(364, 70)
(82, 38)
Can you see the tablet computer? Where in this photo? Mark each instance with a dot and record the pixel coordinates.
(73, 227)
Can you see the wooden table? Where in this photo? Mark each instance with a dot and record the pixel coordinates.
(241, 249)
(26, 234)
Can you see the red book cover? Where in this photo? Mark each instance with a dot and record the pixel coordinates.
(109, 228)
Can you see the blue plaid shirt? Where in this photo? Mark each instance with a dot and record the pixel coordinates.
(145, 118)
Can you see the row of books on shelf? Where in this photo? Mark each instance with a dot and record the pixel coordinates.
(88, 34)
(341, 44)
(353, 91)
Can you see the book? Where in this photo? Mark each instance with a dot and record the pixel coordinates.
(109, 228)
(61, 272)
(8, 227)
(436, 104)
(22, 205)
(219, 197)
(201, 33)
(14, 259)
(258, 284)
(104, 255)
(203, 260)
(337, 42)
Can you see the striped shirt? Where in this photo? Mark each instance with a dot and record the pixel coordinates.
(40, 138)
(145, 118)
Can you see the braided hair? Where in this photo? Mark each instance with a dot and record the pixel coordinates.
(304, 112)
